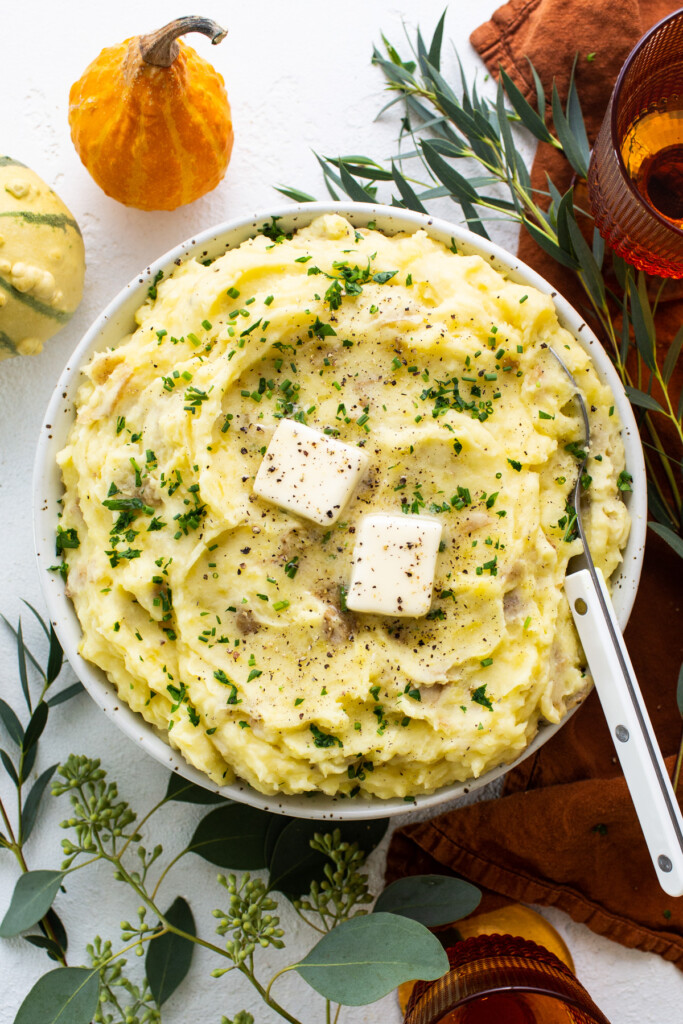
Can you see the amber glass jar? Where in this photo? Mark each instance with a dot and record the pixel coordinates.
(502, 979)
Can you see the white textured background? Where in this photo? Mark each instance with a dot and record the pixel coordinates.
(299, 78)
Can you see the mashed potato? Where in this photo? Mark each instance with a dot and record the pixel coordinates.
(221, 618)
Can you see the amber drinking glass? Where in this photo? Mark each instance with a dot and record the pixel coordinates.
(502, 979)
(635, 178)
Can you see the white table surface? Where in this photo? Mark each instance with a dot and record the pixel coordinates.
(299, 78)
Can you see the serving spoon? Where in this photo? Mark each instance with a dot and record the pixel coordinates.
(622, 701)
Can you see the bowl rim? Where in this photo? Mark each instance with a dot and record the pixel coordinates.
(47, 487)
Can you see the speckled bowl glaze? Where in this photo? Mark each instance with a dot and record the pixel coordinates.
(118, 320)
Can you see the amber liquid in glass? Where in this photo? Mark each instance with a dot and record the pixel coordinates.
(652, 151)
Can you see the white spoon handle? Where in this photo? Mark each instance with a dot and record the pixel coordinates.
(630, 727)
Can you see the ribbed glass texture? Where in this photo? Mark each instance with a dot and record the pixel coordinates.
(650, 84)
(503, 969)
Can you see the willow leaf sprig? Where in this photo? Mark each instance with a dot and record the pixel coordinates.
(446, 125)
(19, 759)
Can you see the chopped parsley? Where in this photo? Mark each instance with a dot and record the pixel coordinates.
(324, 739)
(66, 539)
(479, 697)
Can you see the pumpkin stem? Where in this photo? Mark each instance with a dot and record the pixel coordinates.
(161, 49)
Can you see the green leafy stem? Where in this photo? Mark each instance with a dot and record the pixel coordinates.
(444, 126)
(359, 958)
(25, 740)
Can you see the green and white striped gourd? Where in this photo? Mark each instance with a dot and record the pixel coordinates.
(42, 261)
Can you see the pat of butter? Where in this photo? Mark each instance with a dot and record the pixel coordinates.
(394, 561)
(310, 473)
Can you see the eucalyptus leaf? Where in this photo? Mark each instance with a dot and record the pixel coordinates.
(619, 267)
(34, 661)
(598, 248)
(394, 72)
(540, 91)
(410, 200)
(645, 304)
(679, 692)
(29, 760)
(232, 837)
(332, 193)
(278, 823)
(67, 995)
(9, 767)
(642, 399)
(32, 898)
(486, 123)
(434, 193)
(473, 221)
(589, 267)
(459, 187)
(169, 957)
(294, 865)
(54, 921)
(295, 194)
(30, 809)
(448, 148)
(505, 133)
(625, 336)
(352, 188)
(66, 694)
(188, 793)
(565, 212)
(432, 900)
(55, 658)
(527, 115)
(672, 355)
(34, 729)
(49, 945)
(421, 49)
(575, 118)
(549, 246)
(555, 195)
(39, 618)
(463, 121)
(391, 103)
(364, 958)
(11, 722)
(656, 507)
(641, 318)
(468, 101)
(326, 170)
(361, 167)
(572, 146)
(418, 108)
(671, 538)
(23, 674)
(436, 43)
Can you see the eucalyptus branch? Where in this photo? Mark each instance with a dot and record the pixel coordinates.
(344, 887)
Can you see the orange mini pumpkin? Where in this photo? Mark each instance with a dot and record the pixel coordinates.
(150, 118)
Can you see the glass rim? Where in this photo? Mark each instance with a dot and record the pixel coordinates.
(511, 989)
(616, 94)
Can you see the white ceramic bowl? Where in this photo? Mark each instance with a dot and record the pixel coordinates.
(117, 320)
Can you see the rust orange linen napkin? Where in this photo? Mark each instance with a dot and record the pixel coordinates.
(564, 832)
